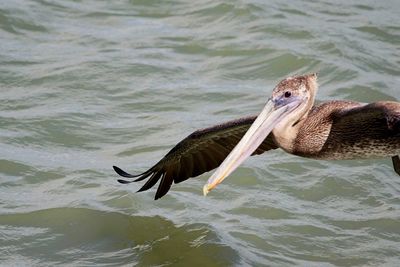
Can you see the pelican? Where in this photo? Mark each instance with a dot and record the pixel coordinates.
(332, 130)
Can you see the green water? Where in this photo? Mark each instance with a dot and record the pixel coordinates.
(90, 84)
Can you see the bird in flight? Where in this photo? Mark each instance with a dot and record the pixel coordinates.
(332, 130)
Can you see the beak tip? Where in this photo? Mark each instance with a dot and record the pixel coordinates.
(206, 189)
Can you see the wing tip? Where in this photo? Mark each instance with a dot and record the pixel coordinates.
(122, 172)
(124, 181)
(150, 183)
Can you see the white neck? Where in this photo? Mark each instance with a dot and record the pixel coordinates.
(286, 131)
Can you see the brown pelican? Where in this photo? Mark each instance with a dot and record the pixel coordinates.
(290, 121)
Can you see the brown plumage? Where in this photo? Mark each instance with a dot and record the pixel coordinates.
(348, 130)
(331, 130)
(200, 152)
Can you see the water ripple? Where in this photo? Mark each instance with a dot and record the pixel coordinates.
(86, 85)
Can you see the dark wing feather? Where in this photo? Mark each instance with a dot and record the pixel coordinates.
(376, 120)
(198, 153)
(360, 128)
(381, 120)
(396, 164)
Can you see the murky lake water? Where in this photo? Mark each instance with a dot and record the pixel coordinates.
(89, 84)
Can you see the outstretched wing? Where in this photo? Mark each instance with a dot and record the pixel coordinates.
(364, 130)
(201, 151)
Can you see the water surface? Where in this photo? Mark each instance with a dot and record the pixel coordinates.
(90, 84)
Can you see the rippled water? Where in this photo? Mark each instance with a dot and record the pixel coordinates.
(89, 84)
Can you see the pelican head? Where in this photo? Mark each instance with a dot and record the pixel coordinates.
(291, 90)
(291, 100)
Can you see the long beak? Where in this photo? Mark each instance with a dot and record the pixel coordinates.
(258, 131)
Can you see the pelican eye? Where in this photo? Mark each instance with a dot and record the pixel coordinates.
(288, 94)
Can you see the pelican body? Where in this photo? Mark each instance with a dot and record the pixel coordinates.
(332, 130)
